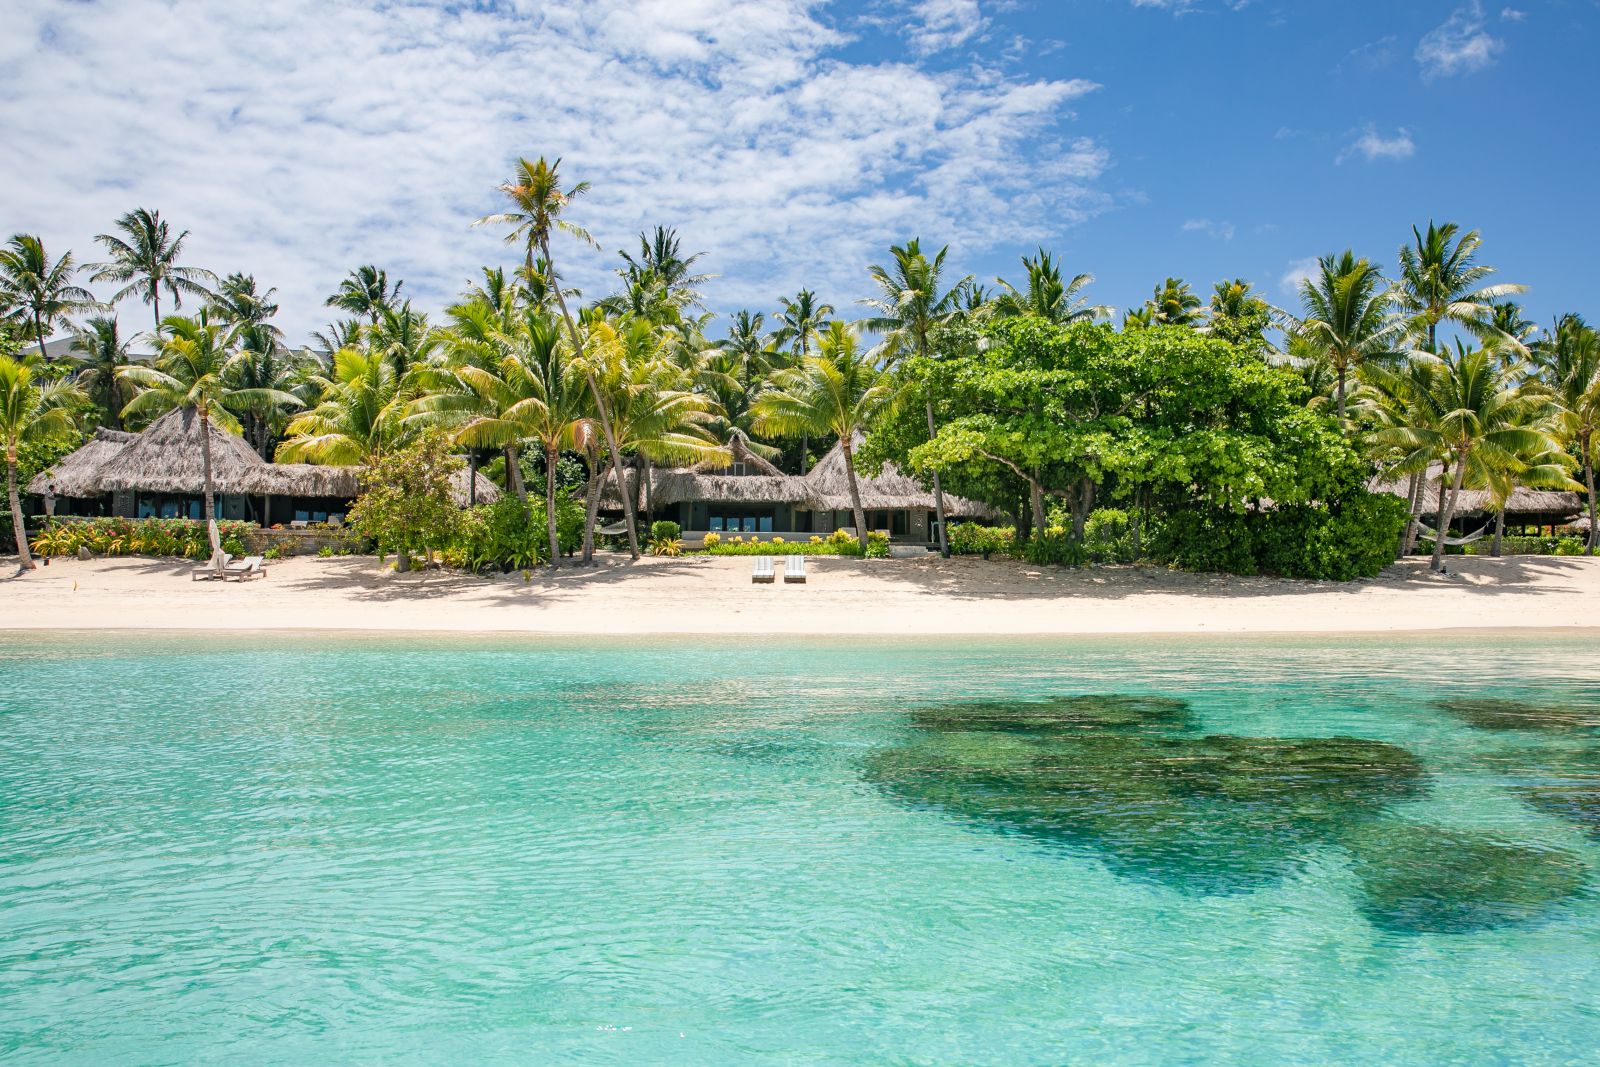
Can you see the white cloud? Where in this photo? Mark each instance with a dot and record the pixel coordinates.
(1300, 271)
(1511, 14)
(1222, 231)
(300, 139)
(1460, 46)
(1373, 146)
(936, 25)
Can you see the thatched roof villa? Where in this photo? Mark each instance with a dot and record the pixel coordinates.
(750, 495)
(159, 472)
(1525, 509)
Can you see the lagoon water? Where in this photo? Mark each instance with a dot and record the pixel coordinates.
(299, 849)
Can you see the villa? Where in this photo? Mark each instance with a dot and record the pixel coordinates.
(751, 496)
(159, 473)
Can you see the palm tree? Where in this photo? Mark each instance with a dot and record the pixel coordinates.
(365, 291)
(1441, 281)
(28, 412)
(1046, 294)
(37, 293)
(799, 321)
(1238, 314)
(839, 391)
(403, 337)
(1475, 421)
(237, 303)
(660, 277)
(1346, 316)
(100, 355)
(1174, 304)
(360, 414)
(1572, 355)
(194, 370)
(1393, 401)
(537, 202)
(144, 261)
(910, 308)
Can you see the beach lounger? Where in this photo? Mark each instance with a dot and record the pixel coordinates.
(794, 569)
(211, 568)
(249, 567)
(763, 572)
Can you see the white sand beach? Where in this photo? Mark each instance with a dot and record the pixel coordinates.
(714, 595)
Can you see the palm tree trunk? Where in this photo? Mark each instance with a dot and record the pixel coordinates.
(1408, 539)
(1499, 532)
(38, 333)
(1341, 369)
(938, 489)
(514, 474)
(155, 305)
(855, 494)
(649, 500)
(1594, 529)
(600, 409)
(592, 510)
(1447, 511)
(550, 457)
(208, 501)
(17, 525)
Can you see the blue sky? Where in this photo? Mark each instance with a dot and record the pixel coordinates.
(794, 140)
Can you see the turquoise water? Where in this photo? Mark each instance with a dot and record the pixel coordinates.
(425, 850)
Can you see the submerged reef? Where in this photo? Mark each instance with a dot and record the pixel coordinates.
(1125, 778)
(1499, 713)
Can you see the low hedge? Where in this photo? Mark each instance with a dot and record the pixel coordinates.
(185, 538)
(1528, 546)
(1354, 538)
(835, 544)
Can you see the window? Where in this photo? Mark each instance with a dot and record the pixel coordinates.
(737, 519)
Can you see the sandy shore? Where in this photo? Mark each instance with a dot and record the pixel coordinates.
(714, 595)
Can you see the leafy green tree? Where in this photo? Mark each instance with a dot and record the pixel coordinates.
(100, 354)
(1047, 294)
(1346, 317)
(913, 303)
(144, 261)
(1572, 360)
(194, 370)
(29, 411)
(537, 205)
(837, 392)
(1441, 282)
(406, 503)
(365, 292)
(35, 293)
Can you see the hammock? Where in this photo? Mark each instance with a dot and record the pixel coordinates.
(1433, 535)
(614, 529)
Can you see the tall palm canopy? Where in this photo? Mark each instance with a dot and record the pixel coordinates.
(100, 354)
(366, 293)
(798, 321)
(29, 411)
(1346, 316)
(144, 261)
(36, 293)
(1174, 304)
(1441, 281)
(838, 392)
(360, 414)
(1047, 295)
(911, 304)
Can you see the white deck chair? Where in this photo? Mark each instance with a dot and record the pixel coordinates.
(249, 567)
(794, 569)
(762, 574)
(212, 568)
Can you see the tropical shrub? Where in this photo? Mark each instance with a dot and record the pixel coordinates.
(665, 530)
(1108, 536)
(666, 546)
(406, 505)
(1354, 538)
(971, 539)
(1054, 547)
(1568, 545)
(508, 535)
(713, 539)
(877, 544)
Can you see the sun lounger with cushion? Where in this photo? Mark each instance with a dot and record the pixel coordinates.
(794, 569)
(763, 572)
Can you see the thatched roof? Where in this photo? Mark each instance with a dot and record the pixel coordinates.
(740, 454)
(826, 488)
(890, 489)
(166, 458)
(1476, 502)
(77, 474)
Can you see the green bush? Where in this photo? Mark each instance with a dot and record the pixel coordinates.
(665, 530)
(183, 538)
(1529, 546)
(1354, 538)
(1056, 548)
(877, 544)
(1108, 536)
(507, 535)
(970, 539)
(836, 544)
